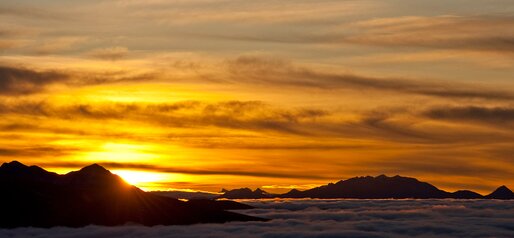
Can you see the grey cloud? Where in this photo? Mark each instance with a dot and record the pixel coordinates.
(32, 13)
(269, 71)
(491, 115)
(112, 53)
(479, 33)
(248, 115)
(482, 33)
(281, 37)
(15, 81)
(254, 71)
(21, 81)
(328, 218)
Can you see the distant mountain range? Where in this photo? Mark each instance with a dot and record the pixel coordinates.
(187, 194)
(32, 196)
(380, 187)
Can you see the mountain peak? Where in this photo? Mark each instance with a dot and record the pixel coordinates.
(14, 165)
(501, 192)
(93, 195)
(245, 193)
(503, 187)
(370, 187)
(95, 169)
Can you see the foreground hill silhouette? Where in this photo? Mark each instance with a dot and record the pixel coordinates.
(32, 196)
(380, 187)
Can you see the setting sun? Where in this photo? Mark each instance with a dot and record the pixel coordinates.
(140, 178)
(266, 99)
(148, 180)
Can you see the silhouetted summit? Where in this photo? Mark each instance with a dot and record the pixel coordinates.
(374, 187)
(245, 193)
(501, 193)
(466, 194)
(94, 169)
(368, 187)
(17, 167)
(31, 196)
(13, 165)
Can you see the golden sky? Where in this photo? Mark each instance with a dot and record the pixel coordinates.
(204, 94)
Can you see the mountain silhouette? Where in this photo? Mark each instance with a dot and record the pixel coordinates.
(501, 193)
(368, 187)
(374, 187)
(466, 194)
(186, 194)
(32, 196)
(246, 193)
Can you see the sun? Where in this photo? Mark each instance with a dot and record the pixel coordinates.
(139, 178)
(149, 180)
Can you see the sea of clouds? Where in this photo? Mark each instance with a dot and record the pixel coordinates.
(328, 218)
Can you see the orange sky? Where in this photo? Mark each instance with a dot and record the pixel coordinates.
(207, 94)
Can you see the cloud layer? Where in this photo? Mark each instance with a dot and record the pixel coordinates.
(329, 218)
(14, 81)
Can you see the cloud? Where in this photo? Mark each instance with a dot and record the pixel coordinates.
(37, 13)
(41, 151)
(473, 33)
(327, 218)
(458, 32)
(264, 12)
(276, 72)
(112, 53)
(15, 81)
(225, 170)
(445, 163)
(245, 115)
(8, 44)
(58, 45)
(488, 115)
(256, 117)
(481, 33)
(255, 71)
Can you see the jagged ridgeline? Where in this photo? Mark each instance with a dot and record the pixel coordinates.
(380, 187)
(32, 196)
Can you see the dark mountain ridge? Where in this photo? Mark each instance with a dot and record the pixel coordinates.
(501, 193)
(246, 193)
(368, 187)
(32, 196)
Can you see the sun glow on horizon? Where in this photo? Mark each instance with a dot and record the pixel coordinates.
(295, 95)
(122, 152)
(144, 179)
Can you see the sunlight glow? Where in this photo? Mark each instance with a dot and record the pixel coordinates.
(139, 177)
(148, 180)
(122, 152)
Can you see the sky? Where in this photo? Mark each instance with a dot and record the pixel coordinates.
(204, 94)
